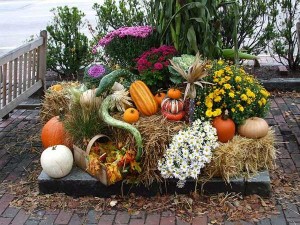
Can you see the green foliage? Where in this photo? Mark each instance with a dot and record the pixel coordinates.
(255, 26)
(68, 48)
(191, 26)
(112, 15)
(233, 90)
(286, 44)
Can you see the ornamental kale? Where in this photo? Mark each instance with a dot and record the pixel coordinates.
(93, 74)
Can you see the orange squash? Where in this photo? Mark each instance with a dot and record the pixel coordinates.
(174, 93)
(225, 128)
(159, 97)
(143, 98)
(131, 115)
(54, 133)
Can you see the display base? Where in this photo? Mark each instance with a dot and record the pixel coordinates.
(79, 183)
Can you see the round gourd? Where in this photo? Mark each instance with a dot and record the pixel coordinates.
(173, 116)
(172, 105)
(57, 161)
(254, 127)
(174, 93)
(54, 133)
(159, 97)
(131, 115)
(225, 128)
(143, 98)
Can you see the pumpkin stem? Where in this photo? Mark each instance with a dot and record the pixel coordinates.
(225, 115)
(54, 147)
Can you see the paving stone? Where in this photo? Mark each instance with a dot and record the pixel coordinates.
(141, 215)
(152, 219)
(122, 217)
(259, 184)
(168, 213)
(4, 202)
(291, 211)
(5, 221)
(48, 219)
(278, 219)
(106, 220)
(200, 220)
(181, 222)
(10, 212)
(136, 221)
(32, 222)
(20, 218)
(296, 159)
(75, 220)
(288, 165)
(91, 217)
(168, 220)
(264, 222)
(63, 217)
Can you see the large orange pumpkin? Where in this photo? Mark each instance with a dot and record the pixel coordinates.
(54, 133)
(225, 128)
(143, 98)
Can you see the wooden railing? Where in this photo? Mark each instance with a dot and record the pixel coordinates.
(22, 73)
(298, 32)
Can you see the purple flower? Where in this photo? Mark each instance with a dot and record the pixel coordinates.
(137, 32)
(96, 71)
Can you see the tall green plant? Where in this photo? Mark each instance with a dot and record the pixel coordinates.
(255, 27)
(190, 25)
(285, 43)
(68, 48)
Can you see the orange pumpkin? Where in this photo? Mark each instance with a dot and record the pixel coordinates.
(172, 105)
(131, 115)
(159, 97)
(54, 133)
(143, 98)
(225, 128)
(174, 93)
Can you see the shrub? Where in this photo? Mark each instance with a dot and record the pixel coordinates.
(126, 13)
(153, 66)
(124, 45)
(255, 26)
(68, 48)
(285, 44)
(234, 90)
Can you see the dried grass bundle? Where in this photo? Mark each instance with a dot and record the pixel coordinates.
(157, 133)
(242, 156)
(56, 102)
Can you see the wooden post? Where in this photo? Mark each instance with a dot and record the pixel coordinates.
(42, 54)
(298, 32)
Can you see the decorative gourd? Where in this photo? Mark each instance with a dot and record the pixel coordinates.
(254, 127)
(225, 128)
(57, 161)
(173, 116)
(131, 115)
(54, 133)
(120, 124)
(88, 99)
(159, 97)
(174, 93)
(143, 98)
(172, 105)
(108, 81)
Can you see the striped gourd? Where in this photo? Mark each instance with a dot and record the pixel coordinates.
(143, 98)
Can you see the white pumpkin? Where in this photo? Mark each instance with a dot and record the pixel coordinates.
(254, 127)
(57, 161)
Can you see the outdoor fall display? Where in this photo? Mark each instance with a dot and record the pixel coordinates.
(193, 135)
(57, 161)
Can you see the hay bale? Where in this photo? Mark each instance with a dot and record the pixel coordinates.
(157, 133)
(56, 102)
(242, 156)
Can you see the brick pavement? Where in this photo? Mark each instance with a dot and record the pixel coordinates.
(284, 116)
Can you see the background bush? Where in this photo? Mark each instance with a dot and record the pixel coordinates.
(68, 48)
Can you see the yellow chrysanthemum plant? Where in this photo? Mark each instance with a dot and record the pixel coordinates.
(235, 90)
